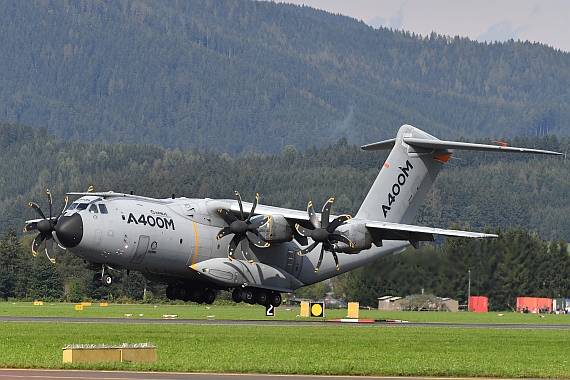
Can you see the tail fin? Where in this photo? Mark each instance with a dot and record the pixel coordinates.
(409, 171)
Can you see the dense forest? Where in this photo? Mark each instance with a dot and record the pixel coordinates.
(523, 198)
(201, 98)
(244, 76)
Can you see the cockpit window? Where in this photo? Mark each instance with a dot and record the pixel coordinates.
(82, 206)
(93, 209)
(103, 209)
(72, 207)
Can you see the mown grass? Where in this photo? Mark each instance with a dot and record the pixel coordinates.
(369, 349)
(334, 349)
(248, 312)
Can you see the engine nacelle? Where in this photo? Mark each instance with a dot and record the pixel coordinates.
(276, 230)
(358, 234)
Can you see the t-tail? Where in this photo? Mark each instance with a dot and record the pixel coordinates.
(409, 171)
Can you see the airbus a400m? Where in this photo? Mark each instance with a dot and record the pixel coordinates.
(198, 246)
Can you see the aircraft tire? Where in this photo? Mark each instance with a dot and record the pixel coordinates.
(97, 280)
(248, 296)
(107, 280)
(171, 292)
(209, 296)
(236, 295)
(182, 293)
(197, 295)
(275, 299)
(263, 297)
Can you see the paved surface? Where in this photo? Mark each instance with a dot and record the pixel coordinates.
(13, 374)
(280, 323)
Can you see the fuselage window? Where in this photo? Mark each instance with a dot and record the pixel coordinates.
(103, 209)
(93, 209)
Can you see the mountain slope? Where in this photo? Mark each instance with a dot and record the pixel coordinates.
(240, 75)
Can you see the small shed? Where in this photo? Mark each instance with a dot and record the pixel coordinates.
(389, 303)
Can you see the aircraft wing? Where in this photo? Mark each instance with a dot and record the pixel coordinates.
(397, 231)
(379, 230)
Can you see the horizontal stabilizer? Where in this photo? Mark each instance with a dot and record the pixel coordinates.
(440, 144)
(443, 145)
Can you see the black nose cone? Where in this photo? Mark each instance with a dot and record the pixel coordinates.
(69, 230)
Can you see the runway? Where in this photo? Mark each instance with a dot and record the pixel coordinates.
(18, 374)
(281, 323)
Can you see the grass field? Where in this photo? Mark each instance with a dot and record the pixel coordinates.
(370, 349)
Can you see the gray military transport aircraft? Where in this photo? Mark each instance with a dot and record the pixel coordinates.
(198, 246)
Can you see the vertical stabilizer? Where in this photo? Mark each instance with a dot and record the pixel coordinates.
(404, 179)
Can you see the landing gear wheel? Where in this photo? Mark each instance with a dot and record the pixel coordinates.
(248, 296)
(107, 280)
(181, 293)
(209, 296)
(263, 297)
(275, 299)
(97, 280)
(171, 292)
(236, 295)
(197, 295)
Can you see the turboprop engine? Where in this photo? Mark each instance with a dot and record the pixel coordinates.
(276, 230)
(358, 234)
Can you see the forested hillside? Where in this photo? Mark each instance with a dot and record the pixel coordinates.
(523, 196)
(244, 76)
(474, 189)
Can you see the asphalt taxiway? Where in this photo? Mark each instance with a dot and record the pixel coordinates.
(270, 322)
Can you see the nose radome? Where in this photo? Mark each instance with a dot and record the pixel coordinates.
(69, 230)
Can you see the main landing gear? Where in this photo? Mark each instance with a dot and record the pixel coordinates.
(259, 296)
(187, 293)
(103, 277)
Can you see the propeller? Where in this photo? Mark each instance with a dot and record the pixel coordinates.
(244, 230)
(323, 232)
(46, 227)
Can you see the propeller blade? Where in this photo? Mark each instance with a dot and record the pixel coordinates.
(257, 222)
(335, 257)
(326, 213)
(223, 232)
(320, 258)
(66, 199)
(50, 201)
(246, 251)
(38, 210)
(302, 230)
(31, 226)
(253, 207)
(312, 216)
(256, 240)
(232, 247)
(240, 204)
(227, 216)
(337, 222)
(36, 243)
(342, 238)
(49, 250)
(308, 249)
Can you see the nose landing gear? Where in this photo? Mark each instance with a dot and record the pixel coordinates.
(103, 277)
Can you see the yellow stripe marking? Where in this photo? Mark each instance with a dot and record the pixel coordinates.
(196, 251)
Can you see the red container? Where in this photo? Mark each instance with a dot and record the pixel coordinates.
(534, 305)
(478, 304)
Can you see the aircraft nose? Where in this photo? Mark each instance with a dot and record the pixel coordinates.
(69, 230)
